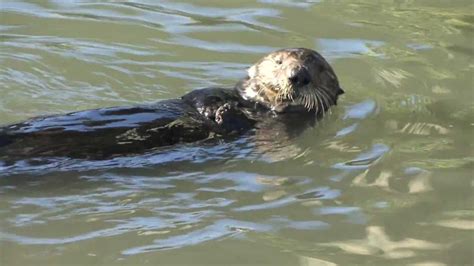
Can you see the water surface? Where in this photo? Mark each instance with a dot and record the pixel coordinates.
(386, 178)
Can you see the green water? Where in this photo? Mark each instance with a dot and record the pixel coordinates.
(387, 178)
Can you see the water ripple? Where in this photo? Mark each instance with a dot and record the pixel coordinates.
(368, 183)
(366, 159)
(218, 230)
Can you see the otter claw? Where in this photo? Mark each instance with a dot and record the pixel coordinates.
(223, 112)
(232, 119)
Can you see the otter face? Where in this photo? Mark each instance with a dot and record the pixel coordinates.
(292, 80)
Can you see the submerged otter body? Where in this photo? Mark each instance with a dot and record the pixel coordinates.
(108, 132)
(282, 84)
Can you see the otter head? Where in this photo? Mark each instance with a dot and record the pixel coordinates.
(287, 80)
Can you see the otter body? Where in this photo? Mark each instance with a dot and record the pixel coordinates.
(283, 83)
(107, 132)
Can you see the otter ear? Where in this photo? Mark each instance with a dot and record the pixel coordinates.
(252, 71)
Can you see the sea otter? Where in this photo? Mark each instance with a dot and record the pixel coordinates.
(284, 83)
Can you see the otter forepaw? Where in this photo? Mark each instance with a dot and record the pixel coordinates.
(231, 119)
(224, 112)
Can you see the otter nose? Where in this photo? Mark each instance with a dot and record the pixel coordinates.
(299, 77)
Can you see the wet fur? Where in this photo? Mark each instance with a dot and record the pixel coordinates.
(263, 98)
(268, 82)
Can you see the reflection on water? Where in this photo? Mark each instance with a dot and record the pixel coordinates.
(386, 178)
(378, 243)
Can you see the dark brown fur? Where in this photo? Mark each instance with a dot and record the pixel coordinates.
(286, 81)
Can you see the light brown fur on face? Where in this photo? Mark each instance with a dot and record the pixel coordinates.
(293, 79)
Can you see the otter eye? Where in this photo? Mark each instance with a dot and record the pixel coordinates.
(278, 61)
